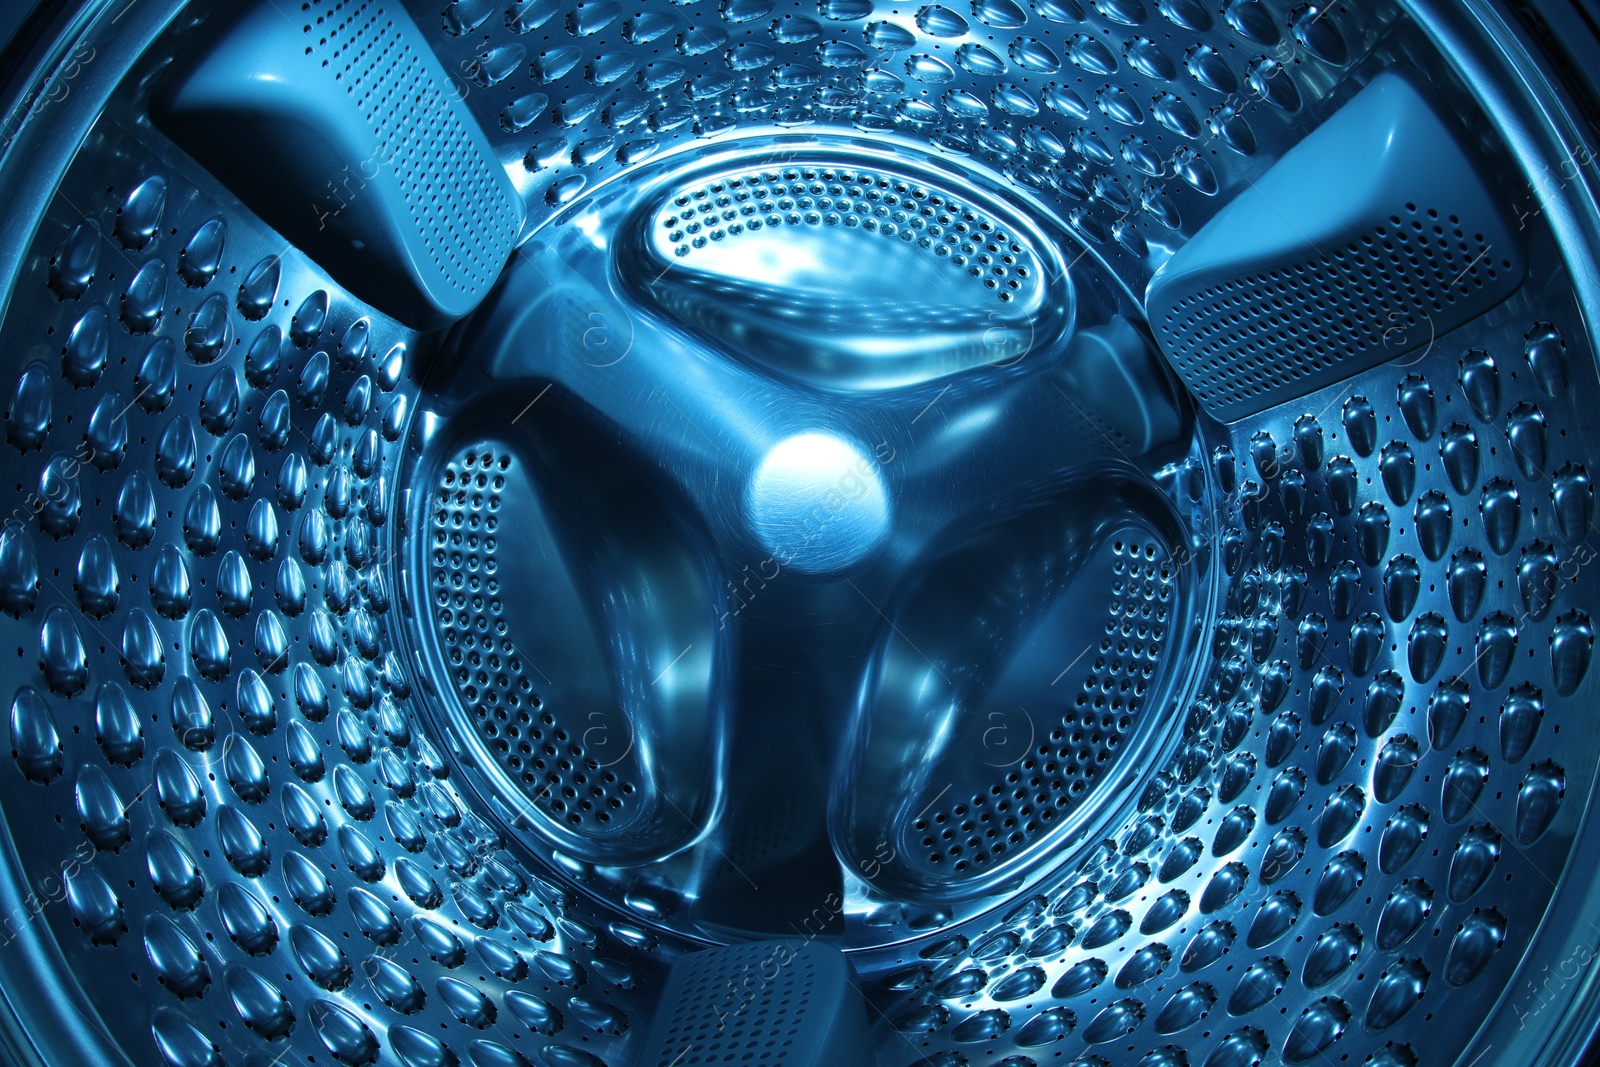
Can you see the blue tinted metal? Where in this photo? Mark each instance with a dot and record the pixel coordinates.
(442, 652)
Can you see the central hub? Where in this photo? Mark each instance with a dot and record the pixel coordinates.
(817, 503)
(837, 597)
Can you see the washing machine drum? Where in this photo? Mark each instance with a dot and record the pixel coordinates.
(798, 532)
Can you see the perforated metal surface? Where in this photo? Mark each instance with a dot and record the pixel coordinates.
(536, 749)
(1378, 233)
(1134, 115)
(1366, 814)
(247, 843)
(337, 126)
(1048, 783)
(890, 207)
(425, 143)
(748, 1007)
(254, 790)
(1263, 332)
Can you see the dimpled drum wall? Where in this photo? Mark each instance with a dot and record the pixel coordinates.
(813, 532)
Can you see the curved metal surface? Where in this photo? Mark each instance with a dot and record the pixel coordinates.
(816, 495)
(336, 641)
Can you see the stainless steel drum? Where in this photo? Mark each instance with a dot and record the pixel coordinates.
(799, 532)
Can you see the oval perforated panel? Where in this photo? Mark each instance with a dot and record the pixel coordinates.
(540, 753)
(1048, 783)
(890, 207)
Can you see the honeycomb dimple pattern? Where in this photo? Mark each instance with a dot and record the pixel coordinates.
(733, 1011)
(1051, 781)
(525, 736)
(888, 206)
(1138, 119)
(1349, 854)
(207, 601)
(1246, 337)
(1347, 839)
(419, 137)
